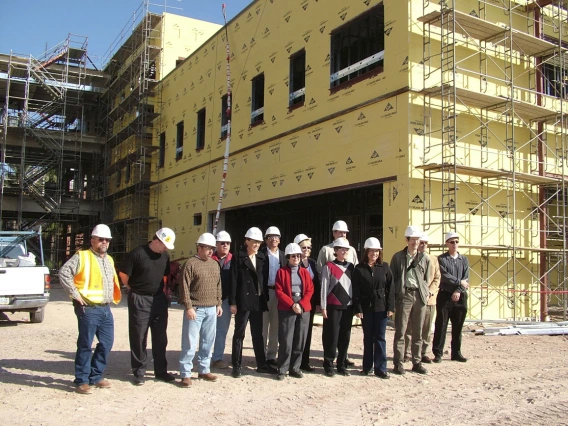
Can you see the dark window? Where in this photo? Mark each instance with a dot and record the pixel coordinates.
(257, 108)
(118, 177)
(555, 80)
(224, 117)
(358, 46)
(297, 78)
(200, 129)
(179, 141)
(197, 219)
(162, 153)
(127, 174)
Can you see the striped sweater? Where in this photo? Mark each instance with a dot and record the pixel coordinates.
(336, 288)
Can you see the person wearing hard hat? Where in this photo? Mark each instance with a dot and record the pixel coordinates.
(274, 260)
(89, 278)
(309, 264)
(142, 272)
(294, 289)
(247, 302)
(200, 293)
(223, 256)
(451, 303)
(327, 254)
(373, 303)
(430, 306)
(411, 276)
(337, 309)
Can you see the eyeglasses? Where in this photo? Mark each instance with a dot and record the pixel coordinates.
(306, 248)
(224, 243)
(273, 237)
(295, 255)
(453, 242)
(206, 247)
(102, 240)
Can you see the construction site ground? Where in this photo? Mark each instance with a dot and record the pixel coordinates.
(508, 380)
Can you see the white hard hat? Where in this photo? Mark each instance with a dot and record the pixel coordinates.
(223, 236)
(301, 237)
(272, 230)
(341, 242)
(292, 248)
(340, 226)
(451, 234)
(424, 237)
(254, 234)
(413, 232)
(372, 243)
(167, 236)
(102, 231)
(207, 239)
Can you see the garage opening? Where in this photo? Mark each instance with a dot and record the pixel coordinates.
(361, 209)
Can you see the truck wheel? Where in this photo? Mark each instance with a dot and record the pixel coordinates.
(37, 316)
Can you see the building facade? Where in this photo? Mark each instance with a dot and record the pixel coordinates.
(384, 114)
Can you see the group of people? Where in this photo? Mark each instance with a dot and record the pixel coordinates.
(278, 293)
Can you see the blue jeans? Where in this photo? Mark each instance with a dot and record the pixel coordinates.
(200, 331)
(93, 321)
(374, 343)
(223, 323)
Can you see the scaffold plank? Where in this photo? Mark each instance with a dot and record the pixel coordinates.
(480, 29)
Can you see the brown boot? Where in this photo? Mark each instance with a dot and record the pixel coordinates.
(84, 389)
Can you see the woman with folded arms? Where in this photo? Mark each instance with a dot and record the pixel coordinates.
(293, 289)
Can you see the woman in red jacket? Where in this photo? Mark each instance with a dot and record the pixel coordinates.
(294, 289)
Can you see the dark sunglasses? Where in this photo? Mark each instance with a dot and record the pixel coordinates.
(102, 240)
(453, 242)
(224, 243)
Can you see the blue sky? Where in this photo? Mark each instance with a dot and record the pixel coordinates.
(28, 26)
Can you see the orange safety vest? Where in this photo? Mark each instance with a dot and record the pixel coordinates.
(89, 279)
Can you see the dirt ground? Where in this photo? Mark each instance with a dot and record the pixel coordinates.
(513, 380)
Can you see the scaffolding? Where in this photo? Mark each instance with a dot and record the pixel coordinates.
(495, 128)
(49, 144)
(130, 107)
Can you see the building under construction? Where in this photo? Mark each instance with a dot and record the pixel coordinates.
(452, 111)
(76, 141)
(51, 153)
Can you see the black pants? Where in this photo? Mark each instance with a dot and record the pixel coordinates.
(455, 312)
(308, 345)
(336, 335)
(292, 330)
(241, 320)
(147, 312)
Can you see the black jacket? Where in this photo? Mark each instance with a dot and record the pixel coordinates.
(245, 281)
(373, 289)
(266, 265)
(317, 283)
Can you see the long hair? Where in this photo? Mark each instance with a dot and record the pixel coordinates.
(366, 257)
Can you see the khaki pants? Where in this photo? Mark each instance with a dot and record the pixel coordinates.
(409, 314)
(426, 331)
(270, 327)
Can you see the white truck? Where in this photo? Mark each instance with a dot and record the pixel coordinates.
(24, 279)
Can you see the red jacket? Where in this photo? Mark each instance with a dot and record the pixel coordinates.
(283, 289)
